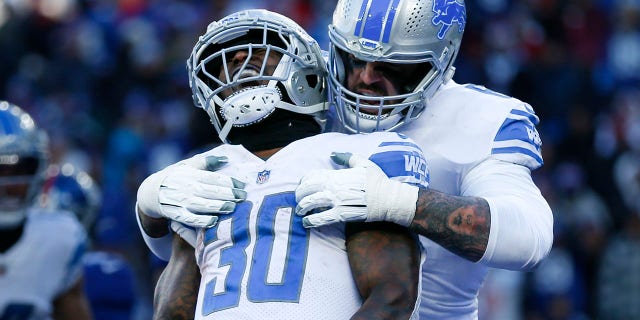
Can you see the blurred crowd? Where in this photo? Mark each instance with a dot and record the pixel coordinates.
(107, 80)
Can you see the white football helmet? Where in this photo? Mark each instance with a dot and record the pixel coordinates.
(401, 32)
(250, 93)
(69, 188)
(23, 160)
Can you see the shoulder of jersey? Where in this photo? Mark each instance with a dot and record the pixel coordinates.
(55, 216)
(235, 154)
(475, 116)
(63, 224)
(343, 142)
(478, 97)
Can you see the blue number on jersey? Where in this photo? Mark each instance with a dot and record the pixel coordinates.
(259, 289)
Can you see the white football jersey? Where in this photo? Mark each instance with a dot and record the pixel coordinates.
(260, 262)
(472, 137)
(45, 262)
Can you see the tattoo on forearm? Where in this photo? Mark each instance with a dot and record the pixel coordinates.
(176, 292)
(459, 224)
(386, 265)
(180, 301)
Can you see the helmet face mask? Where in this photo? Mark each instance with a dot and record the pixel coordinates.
(252, 62)
(23, 159)
(413, 32)
(16, 176)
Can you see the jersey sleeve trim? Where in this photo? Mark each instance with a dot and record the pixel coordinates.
(518, 141)
(402, 160)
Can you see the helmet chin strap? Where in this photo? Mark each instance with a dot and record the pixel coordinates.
(306, 110)
(224, 131)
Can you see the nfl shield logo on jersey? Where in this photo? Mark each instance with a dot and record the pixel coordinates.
(263, 176)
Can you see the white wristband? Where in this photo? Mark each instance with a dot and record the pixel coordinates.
(392, 201)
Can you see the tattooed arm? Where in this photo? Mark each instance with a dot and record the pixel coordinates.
(459, 224)
(501, 219)
(385, 262)
(176, 292)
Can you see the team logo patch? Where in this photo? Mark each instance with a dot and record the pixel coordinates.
(263, 176)
(448, 12)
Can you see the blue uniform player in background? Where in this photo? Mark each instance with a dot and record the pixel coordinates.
(41, 249)
(109, 279)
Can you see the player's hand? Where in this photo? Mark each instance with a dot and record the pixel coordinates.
(362, 192)
(187, 233)
(190, 192)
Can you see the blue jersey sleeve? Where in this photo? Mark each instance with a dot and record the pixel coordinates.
(401, 159)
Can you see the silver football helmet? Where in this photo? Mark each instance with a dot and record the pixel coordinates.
(69, 188)
(23, 160)
(399, 32)
(250, 91)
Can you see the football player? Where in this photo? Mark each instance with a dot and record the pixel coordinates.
(108, 278)
(41, 250)
(390, 69)
(261, 79)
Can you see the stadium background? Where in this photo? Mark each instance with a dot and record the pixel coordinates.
(107, 80)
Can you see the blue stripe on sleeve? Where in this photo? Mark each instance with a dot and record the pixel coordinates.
(402, 164)
(399, 143)
(536, 156)
(530, 115)
(518, 135)
(513, 129)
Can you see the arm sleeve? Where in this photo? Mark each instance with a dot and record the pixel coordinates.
(521, 232)
(161, 247)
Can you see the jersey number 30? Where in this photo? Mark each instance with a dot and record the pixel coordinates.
(278, 260)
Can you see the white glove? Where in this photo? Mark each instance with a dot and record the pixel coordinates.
(190, 193)
(363, 192)
(188, 234)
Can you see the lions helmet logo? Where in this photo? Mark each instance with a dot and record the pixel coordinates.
(449, 12)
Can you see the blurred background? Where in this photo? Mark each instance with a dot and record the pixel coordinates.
(107, 80)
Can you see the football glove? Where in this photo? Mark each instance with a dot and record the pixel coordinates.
(187, 233)
(362, 192)
(190, 192)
